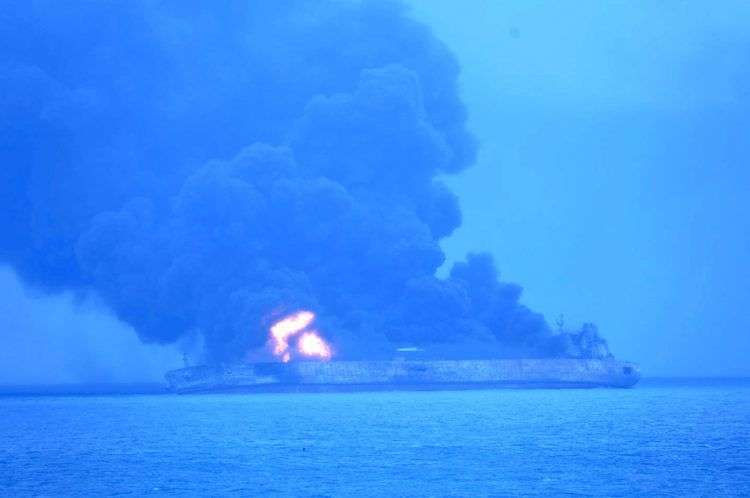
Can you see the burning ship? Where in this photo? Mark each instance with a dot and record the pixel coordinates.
(303, 362)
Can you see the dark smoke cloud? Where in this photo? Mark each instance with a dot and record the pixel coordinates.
(331, 122)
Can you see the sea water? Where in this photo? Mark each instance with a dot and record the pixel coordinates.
(658, 439)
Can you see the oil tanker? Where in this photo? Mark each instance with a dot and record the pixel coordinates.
(403, 374)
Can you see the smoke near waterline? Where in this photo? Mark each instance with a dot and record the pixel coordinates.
(64, 339)
(205, 169)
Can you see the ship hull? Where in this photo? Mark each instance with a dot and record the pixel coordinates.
(337, 376)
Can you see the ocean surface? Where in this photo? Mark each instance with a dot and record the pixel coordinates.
(658, 439)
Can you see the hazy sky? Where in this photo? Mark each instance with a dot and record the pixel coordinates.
(612, 184)
(62, 339)
(613, 178)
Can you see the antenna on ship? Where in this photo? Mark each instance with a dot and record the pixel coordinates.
(560, 322)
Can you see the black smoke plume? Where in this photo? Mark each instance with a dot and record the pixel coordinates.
(205, 167)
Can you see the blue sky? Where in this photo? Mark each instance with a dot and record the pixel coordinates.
(612, 183)
(613, 177)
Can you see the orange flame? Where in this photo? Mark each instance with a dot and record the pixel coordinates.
(285, 328)
(309, 343)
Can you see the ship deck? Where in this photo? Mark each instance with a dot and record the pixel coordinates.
(347, 376)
